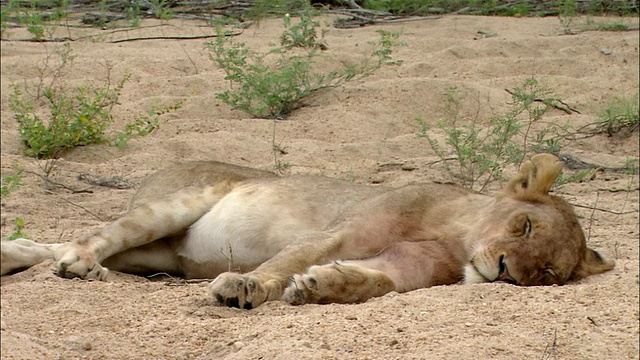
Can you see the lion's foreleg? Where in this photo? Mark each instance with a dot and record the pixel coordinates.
(267, 282)
(401, 267)
(337, 283)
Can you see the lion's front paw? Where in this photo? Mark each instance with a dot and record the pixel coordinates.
(74, 262)
(336, 283)
(243, 291)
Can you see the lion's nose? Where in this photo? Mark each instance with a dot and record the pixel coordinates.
(503, 273)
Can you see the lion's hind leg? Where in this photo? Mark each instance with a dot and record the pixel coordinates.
(156, 257)
(24, 253)
(154, 220)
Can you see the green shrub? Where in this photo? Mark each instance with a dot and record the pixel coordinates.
(481, 150)
(76, 119)
(621, 113)
(302, 35)
(19, 230)
(79, 117)
(10, 183)
(271, 89)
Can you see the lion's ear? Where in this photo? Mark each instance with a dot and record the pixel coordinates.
(536, 176)
(593, 263)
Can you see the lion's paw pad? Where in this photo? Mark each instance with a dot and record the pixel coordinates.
(236, 290)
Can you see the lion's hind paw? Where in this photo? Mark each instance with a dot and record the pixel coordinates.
(75, 263)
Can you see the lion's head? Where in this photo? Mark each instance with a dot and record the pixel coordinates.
(531, 237)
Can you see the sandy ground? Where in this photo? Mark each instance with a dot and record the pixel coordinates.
(364, 131)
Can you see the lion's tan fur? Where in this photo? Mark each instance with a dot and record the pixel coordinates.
(310, 239)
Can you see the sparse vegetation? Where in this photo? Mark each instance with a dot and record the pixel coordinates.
(75, 117)
(613, 27)
(10, 183)
(619, 116)
(19, 230)
(29, 14)
(278, 150)
(568, 13)
(79, 117)
(574, 24)
(500, 8)
(261, 9)
(272, 88)
(302, 35)
(482, 150)
(621, 113)
(577, 176)
(161, 9)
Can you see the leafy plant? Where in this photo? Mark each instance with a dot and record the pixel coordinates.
(521, 9)
(19, 230)
(482, 150)
(621, 113)
(56, 65)
(534, 101)
(578, 176)
(79, 118)
(10, 183)
(161, 9)
(132, 13)
(480, 154)
(613, 27)
(39, 24)
(568, 12)
(76, 119)
(272, 88)
(143, 124)
(303, 34)
(278, 150)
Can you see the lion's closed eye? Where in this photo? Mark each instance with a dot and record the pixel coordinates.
(550, 272)
(528, 227)
(521, 225)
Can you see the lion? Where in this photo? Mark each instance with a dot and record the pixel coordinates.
(306, 239)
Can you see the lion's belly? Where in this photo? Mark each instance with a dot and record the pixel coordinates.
(250, 225)
(254, 222)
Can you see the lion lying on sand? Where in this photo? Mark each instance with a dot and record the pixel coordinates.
(308, 239)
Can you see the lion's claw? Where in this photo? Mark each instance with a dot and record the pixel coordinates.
(239, 291)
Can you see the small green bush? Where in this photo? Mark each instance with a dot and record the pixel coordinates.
(10, 182)
(19, 230)
(302, 35)
(621, 113)
(272, 88)
(482, 150)
(76, 119)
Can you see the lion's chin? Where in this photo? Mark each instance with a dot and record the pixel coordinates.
(473, 276)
